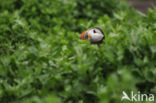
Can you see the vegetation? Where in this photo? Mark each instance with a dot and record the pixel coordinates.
(42, 59)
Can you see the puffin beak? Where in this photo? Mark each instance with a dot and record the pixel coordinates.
(82, 36)
(89, 36)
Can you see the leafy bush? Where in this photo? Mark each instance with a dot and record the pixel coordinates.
(42, 58)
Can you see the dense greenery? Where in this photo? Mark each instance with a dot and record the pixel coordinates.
(42, 59)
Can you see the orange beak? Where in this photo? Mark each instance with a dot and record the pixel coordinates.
(82, 36)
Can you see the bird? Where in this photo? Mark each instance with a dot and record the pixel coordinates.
(95, 35)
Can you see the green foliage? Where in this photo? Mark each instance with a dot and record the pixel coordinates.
(42, 59)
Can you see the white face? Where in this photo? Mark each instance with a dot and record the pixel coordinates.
(94, 30)
(96, 34)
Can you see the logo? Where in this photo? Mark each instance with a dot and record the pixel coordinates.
(137, 96)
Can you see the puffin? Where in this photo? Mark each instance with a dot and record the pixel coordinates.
(94, 35)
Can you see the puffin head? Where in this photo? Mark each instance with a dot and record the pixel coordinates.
(94, 35)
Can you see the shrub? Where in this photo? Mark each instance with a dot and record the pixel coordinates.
(42, 58)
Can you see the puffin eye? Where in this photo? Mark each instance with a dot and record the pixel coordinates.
(94, 31)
